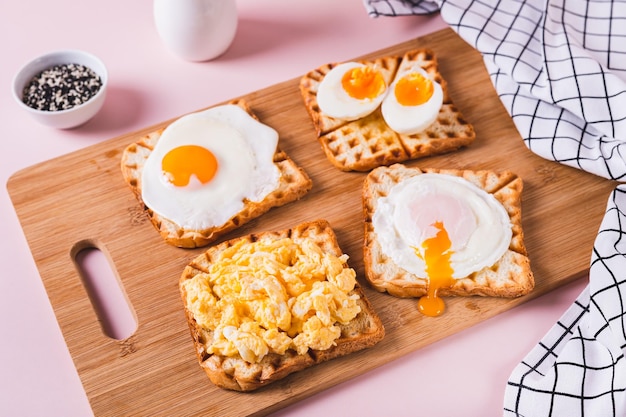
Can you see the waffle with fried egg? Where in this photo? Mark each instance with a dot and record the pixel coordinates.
(368, 142)
(510, 276)
(293, 184)
(231, 371)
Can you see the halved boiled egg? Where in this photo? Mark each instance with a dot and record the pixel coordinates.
(441, 227)
(206, 164)
(413, 101)
(351, 91)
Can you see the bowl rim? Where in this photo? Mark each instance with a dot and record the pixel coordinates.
(16, 89)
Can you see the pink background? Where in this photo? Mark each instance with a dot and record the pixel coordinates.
(464, 374)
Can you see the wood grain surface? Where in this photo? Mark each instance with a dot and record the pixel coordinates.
(80, 199)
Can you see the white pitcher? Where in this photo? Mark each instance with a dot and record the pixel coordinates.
(196, 30)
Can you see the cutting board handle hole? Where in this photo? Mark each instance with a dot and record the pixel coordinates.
(106, 292)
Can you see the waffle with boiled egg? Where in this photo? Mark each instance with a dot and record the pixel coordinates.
(210, 172)
(366, 113)
(432, 233)
(263, 306)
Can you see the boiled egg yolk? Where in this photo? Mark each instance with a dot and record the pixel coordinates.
(180, 163)
(413, 89)
(436, 254)
(363, 83)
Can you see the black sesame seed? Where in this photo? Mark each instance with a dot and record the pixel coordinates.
(61, 87)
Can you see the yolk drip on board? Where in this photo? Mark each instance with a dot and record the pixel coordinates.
(413, 89)
(182, 162)
(438, 269)
(363, 83)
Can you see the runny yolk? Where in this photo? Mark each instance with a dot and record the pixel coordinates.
(180, 163)
(438, 270)
(363, 83)
(413, 89)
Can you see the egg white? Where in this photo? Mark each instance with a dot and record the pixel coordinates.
(244, 149)
(333, 100)
(478, 225)
(408, 120)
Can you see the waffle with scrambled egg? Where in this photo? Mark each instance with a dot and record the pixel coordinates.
(368, 142)
(263, 306)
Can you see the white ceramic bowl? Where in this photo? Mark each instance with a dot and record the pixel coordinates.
(72, 117)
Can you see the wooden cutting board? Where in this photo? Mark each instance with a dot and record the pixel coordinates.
(80, 199)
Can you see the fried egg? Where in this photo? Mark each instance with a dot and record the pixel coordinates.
(413, 101)
(417, 209)
(206, 164)
(351, 91)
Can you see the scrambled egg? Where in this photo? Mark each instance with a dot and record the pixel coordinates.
(271, 296)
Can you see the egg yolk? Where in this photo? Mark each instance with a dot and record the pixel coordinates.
(438, 269)
(413, 89)
(363, 83)
(180, 163)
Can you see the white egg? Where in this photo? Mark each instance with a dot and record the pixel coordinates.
(478, 225)
(336, 102)
(411, 119)
(244, 149)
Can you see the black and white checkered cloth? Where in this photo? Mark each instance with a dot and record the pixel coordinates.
(559, 68)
